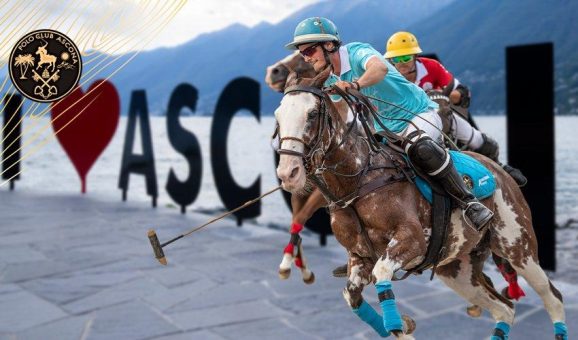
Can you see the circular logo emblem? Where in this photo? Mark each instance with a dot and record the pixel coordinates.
(468, 182)
(45, 65)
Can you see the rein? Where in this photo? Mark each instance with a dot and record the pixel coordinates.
(372, 146)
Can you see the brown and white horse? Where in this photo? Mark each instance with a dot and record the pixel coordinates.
(305, 205)
(397, 219)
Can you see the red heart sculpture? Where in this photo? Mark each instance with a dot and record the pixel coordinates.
(94, 117)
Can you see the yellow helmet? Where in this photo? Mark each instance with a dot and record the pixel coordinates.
(401, 43)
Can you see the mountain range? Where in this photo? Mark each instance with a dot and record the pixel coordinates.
(469, 37)
(212, 60)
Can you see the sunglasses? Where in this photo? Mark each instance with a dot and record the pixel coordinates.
(402, 59)
(309, 51)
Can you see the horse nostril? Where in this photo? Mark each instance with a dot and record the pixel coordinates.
(275, 71)
(294, 172)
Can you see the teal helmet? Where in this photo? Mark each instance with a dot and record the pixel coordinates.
(316, 29)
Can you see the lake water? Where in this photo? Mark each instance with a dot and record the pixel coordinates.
(48, 169)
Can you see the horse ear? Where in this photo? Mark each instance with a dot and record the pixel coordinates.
(320, 79)
(291, 79)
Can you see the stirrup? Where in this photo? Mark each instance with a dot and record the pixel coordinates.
(481, 224)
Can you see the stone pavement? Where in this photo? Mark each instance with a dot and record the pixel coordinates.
(76, 267)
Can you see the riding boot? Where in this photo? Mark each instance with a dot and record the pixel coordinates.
(491, 150)
(516, 174)
(432, 159)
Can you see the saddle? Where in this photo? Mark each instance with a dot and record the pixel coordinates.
(479, 180)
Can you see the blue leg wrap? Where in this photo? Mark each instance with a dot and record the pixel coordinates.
(391, 317)
(501, 331)
(560, 329)
(366, 313)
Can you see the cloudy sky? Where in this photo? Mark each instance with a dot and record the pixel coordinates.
(119, 26)
(200, 16)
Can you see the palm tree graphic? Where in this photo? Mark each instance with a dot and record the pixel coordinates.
(25, 61)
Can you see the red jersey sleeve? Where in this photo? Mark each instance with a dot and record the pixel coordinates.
(440, 77)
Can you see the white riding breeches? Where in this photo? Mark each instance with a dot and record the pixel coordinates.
(429, 122)
(465, 132)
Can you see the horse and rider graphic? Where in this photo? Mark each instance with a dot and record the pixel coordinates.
(45, 65)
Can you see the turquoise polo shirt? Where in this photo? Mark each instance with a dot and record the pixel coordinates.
(394, 88)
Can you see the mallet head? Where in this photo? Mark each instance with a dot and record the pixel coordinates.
(158, 250)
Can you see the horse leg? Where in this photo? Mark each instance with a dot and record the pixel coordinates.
(404, 250)
(359, 277)
(513, 238)
(465, 277)
(314, 202)
(303, 209)
(552, 298)
(297, 202)
(513, 291)
(288, 252)
(308, 276)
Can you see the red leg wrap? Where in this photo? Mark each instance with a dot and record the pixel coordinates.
(514, 290)
(288, 249)
(298, 262)
(296, 228)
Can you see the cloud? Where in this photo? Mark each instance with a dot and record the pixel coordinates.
(198, 17)
(99, 25)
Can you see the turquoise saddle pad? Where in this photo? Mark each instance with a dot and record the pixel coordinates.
(472, 171)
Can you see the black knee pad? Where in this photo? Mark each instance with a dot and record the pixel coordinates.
(427, 154)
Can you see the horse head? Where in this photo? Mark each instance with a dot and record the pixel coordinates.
(303, 117)
(276, 76)
(42, 49)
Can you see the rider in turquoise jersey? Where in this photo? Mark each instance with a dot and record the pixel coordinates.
(360, 66)
(393, 88)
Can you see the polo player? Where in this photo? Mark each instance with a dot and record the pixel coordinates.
(404, 108)
(402, 50)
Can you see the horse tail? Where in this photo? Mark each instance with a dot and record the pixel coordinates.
(486, 282)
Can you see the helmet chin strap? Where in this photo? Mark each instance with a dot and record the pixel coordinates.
(326, 55)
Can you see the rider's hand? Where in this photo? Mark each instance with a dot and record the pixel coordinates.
(344, 85)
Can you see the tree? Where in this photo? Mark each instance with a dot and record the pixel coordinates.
(24, 61)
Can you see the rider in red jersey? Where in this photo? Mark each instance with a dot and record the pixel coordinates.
(402, 51)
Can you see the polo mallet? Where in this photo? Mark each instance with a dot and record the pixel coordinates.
(158, 247)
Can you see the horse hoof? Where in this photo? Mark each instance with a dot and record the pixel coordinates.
(409, 324)
(284, 273)
(403, 336)
(474, 311)
(309, 280)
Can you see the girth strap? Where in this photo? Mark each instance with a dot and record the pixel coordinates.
(379, 182)
(441, 214)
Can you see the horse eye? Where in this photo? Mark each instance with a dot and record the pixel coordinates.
(312, 114)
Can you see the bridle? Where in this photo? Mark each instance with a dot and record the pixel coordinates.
(314, 146)
(317, 145)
